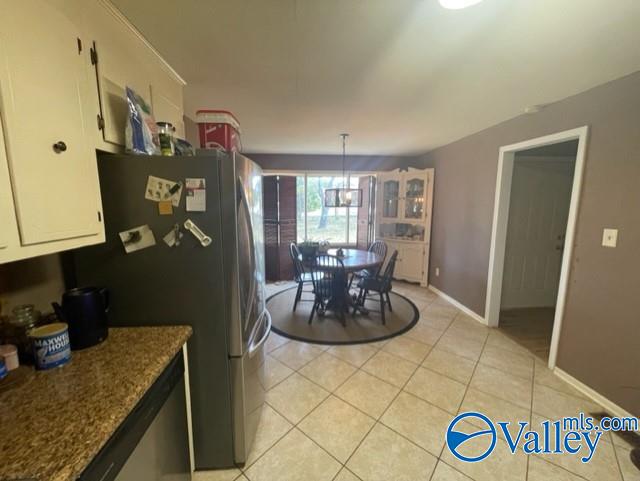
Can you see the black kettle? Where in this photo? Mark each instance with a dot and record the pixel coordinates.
(85, 312)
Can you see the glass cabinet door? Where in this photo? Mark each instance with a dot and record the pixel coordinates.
(390, 198)
(414, 198)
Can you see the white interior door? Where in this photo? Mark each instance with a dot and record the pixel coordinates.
(43, 82)
(538, 211)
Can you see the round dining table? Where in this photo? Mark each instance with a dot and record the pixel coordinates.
(354, 260)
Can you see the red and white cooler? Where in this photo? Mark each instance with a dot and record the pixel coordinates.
(218, 129)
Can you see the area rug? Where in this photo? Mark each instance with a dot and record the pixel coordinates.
(329, 329)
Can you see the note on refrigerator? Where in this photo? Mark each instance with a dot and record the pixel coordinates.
(196, 195)
(159, 190)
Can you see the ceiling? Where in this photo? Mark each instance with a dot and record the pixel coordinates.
(401, 76)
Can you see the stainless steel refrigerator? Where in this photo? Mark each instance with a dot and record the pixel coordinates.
(216, 288)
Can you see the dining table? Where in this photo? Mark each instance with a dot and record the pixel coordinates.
(354, 260)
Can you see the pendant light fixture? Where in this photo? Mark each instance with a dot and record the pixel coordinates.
(344, 196)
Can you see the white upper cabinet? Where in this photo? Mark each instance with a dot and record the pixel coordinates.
(122, 58)
(403, 219)
(43, 86)
(52, 94)
(403, 195)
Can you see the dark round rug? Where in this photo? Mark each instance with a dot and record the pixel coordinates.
(329, 330)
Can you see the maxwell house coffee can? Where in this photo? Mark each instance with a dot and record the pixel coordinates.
(51, 346)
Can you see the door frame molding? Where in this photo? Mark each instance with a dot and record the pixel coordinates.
(501, 218)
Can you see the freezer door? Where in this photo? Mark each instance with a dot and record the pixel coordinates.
(248, 390)
(248, 299)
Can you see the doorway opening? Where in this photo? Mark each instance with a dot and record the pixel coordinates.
(537, 195)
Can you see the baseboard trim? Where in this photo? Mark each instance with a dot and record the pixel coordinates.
(611, 407)
(458, 304)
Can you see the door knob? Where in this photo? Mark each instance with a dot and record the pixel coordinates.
(59, 146)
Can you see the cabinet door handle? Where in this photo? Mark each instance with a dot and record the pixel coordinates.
(59, 147)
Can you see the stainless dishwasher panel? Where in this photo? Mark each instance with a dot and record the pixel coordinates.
(162, 454)
(152, 443)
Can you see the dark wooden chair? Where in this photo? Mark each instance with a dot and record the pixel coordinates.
(379, 247)
(329, 286)
(299, 274)
(381, 285)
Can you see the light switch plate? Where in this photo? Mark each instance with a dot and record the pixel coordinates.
(610, 237)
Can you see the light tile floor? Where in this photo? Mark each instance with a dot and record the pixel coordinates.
(379, 412)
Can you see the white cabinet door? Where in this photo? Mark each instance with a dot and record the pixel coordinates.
(122, 61)
(414, 187)
(7, 214)
(411, 258)
(43, 83)
(389, 196)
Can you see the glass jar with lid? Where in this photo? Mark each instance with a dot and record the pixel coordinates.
(24, 318)
(165, 135)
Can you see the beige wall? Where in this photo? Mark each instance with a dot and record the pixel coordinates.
(600, 339)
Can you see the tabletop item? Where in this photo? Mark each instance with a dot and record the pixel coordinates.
(3, 370)
(218, 129)
(9, 355)
(308, 250)
(24, 318)
(50, 345)
(141, 133)
(165, 135)
(323, 246)
(85, 312)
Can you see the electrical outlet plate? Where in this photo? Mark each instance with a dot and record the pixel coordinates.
(610, 237)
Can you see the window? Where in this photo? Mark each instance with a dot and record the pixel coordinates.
(317, 222)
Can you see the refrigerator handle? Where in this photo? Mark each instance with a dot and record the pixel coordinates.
(253, 348)
(244, 204)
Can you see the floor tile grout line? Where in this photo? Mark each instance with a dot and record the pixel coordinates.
(401, 390)
(296, 425)
(549, 461)
(445, 375)
(352, 473)
(466, 390)
(244, 469)
(350, 363)
(533, 384)
(379, 422)
(615, 454)
(376, 421)
(440, 460)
